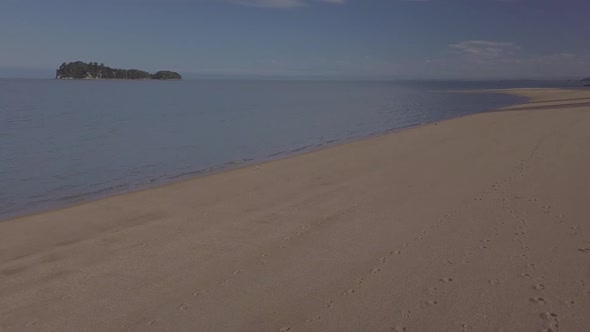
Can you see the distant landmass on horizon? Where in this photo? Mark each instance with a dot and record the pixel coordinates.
(94, 71)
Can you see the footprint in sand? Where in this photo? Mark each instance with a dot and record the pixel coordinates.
(551, 323)
(539, 287)
(30, 323)
(183, 307)
(375, 270)
(494, 282)
(382, 260)
(395, 252)
(154, 321)
(348, 292)
(584, 250)
(429, 303)
(398, 329)
(537, 300)
(330, 304)
(466, 327)
(316, 318)
(285, 329)
(224, 283)
(446, 279)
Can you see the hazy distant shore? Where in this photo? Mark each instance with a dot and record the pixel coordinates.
(473, 223)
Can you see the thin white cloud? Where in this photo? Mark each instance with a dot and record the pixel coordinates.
(485, 48)
(271, 3)
(481, 59)
(284, 4)
(278, 4)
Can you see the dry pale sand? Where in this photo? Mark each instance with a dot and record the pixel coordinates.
(479, 223)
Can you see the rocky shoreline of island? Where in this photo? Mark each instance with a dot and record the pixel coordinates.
(79, 70)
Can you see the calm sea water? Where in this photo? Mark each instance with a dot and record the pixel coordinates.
(62, 142)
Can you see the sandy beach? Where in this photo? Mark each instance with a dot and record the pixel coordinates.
(478, 223)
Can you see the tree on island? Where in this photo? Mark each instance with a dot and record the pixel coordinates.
(166, 75)
(92, 70)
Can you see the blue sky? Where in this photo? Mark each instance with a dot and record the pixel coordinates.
(302, 38)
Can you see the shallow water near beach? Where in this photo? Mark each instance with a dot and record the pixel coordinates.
(63, 142)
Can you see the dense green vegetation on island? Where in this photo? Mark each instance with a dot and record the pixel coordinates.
(166, 75)
(93, 70)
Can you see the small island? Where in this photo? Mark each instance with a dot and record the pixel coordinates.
(93, 71)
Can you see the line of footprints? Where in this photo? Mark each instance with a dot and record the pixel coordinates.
(447, 219)
(550, 320)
